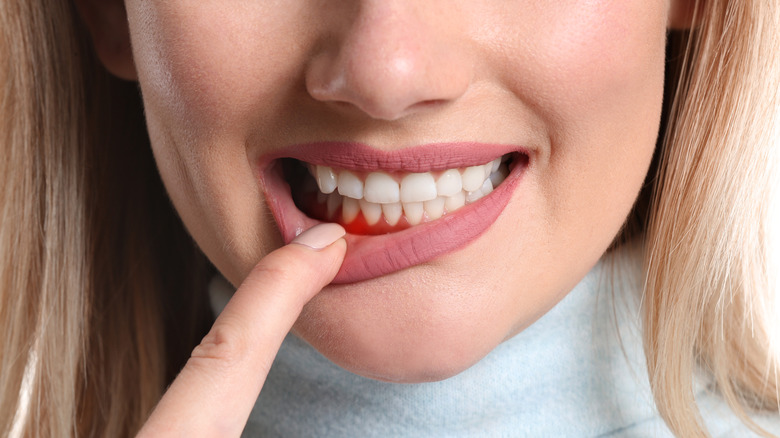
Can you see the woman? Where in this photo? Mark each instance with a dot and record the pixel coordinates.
(482, 159)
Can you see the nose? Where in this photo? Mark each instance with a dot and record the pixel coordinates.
(393, 59)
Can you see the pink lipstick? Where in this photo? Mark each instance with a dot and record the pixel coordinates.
(370, 256)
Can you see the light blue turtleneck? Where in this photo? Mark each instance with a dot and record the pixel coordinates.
(565, 376)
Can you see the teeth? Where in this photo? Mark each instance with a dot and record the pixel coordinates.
(486, 188)
(486, 169)
(350, 185)
(418, 187)
(419, 196)
(455, 201)
(392, 213)
(499, 175)
(434, 208)
(350, 209)
(449, 183)
(474, 196)
(381, 188)
(472, 178)
(326, 179)
(372, 212)
(414, 212)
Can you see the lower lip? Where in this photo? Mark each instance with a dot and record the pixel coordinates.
(371, 256)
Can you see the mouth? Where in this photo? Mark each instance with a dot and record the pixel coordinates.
(400, 208)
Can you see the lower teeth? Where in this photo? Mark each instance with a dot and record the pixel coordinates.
(359, 216)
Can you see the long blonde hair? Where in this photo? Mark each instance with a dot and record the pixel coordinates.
(102, 292)
(708, 296)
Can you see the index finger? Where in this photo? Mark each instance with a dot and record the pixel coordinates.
(215, 391)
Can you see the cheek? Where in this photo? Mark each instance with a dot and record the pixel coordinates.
(207, 67)
(205, 77)
(599, 49)
(597, 80)
(592, 73)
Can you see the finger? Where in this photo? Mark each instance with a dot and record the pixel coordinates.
(215, 391)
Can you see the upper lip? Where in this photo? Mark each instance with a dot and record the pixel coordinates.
(421, 158)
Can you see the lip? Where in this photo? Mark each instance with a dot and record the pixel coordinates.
(371, 256)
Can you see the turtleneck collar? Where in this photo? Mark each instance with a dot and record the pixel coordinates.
(578, 371)
(566, 375)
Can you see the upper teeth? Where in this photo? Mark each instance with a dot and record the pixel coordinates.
(415, 194)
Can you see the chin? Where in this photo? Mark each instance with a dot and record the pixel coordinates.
(407, 327)
(430, 359)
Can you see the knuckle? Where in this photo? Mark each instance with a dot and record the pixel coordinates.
(222, 349)
(275, 272)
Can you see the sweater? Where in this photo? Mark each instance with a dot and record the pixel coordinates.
(579, 371)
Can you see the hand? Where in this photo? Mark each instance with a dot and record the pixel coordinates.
(215, 391)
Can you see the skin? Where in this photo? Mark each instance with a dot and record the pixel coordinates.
(577, 82)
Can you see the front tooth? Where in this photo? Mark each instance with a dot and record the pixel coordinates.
(455, 201)
(333, 204)
(392, 213)
(472, 177)
(414, 212)
(419, 195)
(449, 183)
(350, 210)
(371, 211)
(350, 185)
(381, 188)
(418, 187)
(326, 179)
(434, 208)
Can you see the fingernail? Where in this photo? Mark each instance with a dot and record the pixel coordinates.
(320, 236)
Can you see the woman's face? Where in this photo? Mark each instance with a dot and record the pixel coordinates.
(568, 91)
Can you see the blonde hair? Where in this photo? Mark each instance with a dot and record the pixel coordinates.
(102, 292)
(708, 298)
